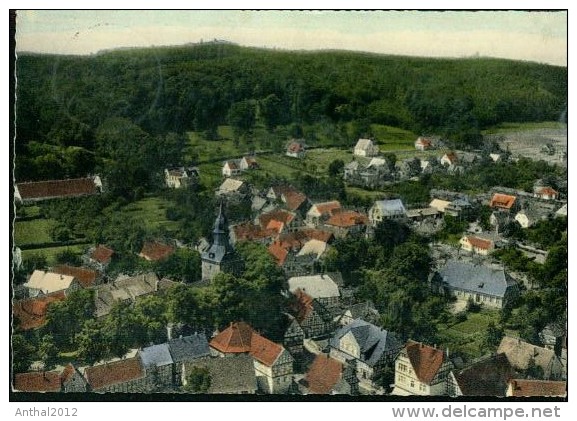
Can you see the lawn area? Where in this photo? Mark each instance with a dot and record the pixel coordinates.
(213, 149)
(387, 136)
(51, 252)
(323, 157)
(371, 195)
(153, 211)
(520, 127)
(467, 336)
(36, 231)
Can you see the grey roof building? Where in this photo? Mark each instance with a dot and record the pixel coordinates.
(489, 285)
(387, 209)
(155, 356)
(229, 374)
(368, 345)
(188, 348)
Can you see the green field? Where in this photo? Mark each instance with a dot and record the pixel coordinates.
(152, 210)
(521, 127)
(467, 336)
(36, 231)
(51, 252)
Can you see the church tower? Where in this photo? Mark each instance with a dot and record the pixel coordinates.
(220, 257)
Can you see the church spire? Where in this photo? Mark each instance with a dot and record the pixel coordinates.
(220, 230)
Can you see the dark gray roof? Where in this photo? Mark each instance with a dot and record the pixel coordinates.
(372, 340)
(189, 347)
(230, 374)
(364, 311)
(155, 355)
(476, 278)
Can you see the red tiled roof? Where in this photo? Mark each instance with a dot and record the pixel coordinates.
(154, 251)
(47, 381)
(234, 339)
(327, 208)
(323, 374)
(294, 199)
(279, 215)
(347, 219)
(122, 371)
(240, 337)
(57, 188)
(102, 254)
(295, 147)
(503, 201)
(521, 388)
(278, 252)
(276, 226)
(297, 239)
(86, 277)
(249, 232)
(264, 350)
(424, 141)
(31, 313)
(452, 157)
(231, 164)
(547, 191)
(250, 161)
(426, 360)
(315, 234)
(480, 243)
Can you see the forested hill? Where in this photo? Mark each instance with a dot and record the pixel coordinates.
(63, 100)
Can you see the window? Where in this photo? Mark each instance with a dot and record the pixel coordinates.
(412, 383)
(402, 368)
(422, 387)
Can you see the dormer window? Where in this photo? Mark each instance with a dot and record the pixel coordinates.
(211, 255)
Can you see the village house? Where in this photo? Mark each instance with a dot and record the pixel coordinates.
(529, 216)
(488, 285)
(522, 388)
(176, 178)
(186, 349)
(248, 163)
(561, 212)
(320, 212)
(30, 313)
(459, 207)
(45, 283)
(87, 278)
(387, 210)
(421, 370)
(503, 202)
(366, 148)
(280, 221)
(522, 355)
(313, 318)
(422, 214)
(231, 374)
(449, 159)
(365, 311)
(273, 364)
(35, 191)
(154, 251)
(124, 376)
(98, 257)
(296, 148)
(124, 288)
(231, 168)
(294, 335)
(439, 204)
(158, 365)
(232, 190)
(544, 192)
(247, 231)
(68, 380)
(408, 168)
(477, 245)
(327, 376)
(346, 223)
(487, 376)
(369, 347)
(322, 288)
(423, 144)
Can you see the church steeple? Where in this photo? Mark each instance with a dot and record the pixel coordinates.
(220, 230)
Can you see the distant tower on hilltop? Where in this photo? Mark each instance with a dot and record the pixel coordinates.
(220, 257)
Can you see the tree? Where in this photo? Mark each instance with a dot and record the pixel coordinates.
(22, 354)
(336, 167)
(64, 319)
(91, 342)
(68, 257)
(492, 337)
(47, 351)
(241, 116)
(198, 381)
(183, 264)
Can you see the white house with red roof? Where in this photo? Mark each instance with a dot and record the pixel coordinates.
(423, 144)
(477, 245)
(273, 364)
(421, 370)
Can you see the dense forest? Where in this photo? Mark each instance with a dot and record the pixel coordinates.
(76, 114)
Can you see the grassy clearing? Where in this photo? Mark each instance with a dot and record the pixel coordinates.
(153, 211)
(35, 231)
(51, 252)
(388, 135)
(322, 158)
(467, 336)
(520, 127)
